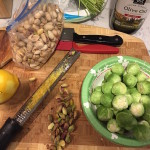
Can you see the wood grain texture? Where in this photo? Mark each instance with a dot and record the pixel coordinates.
(35, 134)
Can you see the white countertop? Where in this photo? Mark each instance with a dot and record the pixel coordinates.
(102, 20)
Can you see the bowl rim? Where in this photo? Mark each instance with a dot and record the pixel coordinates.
(113, 137)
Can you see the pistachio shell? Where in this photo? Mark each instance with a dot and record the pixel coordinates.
(43, 37)
(21, 43)
(44, 53)
(49, 9)
(38, 45)
(20, 29)
(34, 65)
(59, 147)
(50, 118)
(24, 58)
(37, 22)
(50, 35)
(33, 38)
(27, 26)
(48, 26)
(44, 7)
(44, 47)
(31, 20)
(38, 14)
(29, 46)
(37, 52)
(53, 45)
(60, 17)
(41, 59)
(64, 111)
(48, 17)
(29, 55)
(40, 31)
(36, 57)
(71, 128)
(62, 143)
(62, 115)
(51, 126)
(43, 20)
(59, 109)
(25, 40)
(67, 139)
(18, 58)
(54, 14)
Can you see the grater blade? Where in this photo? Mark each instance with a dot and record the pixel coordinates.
(46, 87)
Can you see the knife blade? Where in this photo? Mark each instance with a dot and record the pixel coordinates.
(69, 39)
(13, 125)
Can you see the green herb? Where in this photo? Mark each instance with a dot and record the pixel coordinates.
(93, 6)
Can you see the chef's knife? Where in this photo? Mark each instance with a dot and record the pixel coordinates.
(13, 125)
(92, 43)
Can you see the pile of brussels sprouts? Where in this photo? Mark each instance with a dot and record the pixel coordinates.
(123, 101)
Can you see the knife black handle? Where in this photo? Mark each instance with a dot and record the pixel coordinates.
(10, 128)
(98, 39)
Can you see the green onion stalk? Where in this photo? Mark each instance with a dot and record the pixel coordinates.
(93, 6)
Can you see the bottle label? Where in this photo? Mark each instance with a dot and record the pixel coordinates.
(131, 13)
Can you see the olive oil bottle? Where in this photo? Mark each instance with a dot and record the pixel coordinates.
(129, 15)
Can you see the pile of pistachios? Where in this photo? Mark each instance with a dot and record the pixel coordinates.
(62, 124)
(34, 39)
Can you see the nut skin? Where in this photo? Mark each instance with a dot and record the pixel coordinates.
(65, 118)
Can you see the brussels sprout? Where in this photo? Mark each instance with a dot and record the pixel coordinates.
(145, 99)
(133, 68)
(143, 87)
(126, 120)
(104, 113)
(120, 102)
(119, 88)
(146, 115)
(115, 111)
(104, 81)
(121, 131)
(129, 98)
(106, 100)
(148, 79)
(114, 78)
(95, 97)
(98, 88)
(124, 73)
(132, 90)
(144, 122)
(141, 77)
(117, 69)
(136, 96)
(137, 109)
(141, 132)
(107, 74)
(112, 126)
(107, 87)
(130, 80)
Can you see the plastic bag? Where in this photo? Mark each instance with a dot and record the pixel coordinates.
(35, 34)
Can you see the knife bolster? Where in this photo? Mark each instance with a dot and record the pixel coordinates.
(8, 131)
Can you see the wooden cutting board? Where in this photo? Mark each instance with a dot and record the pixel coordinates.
(35, 134)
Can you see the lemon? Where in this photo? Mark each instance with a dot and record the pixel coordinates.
(9, 84)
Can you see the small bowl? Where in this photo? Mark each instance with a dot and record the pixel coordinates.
(94, 78)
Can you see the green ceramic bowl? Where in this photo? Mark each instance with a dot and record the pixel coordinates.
(94, 78)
